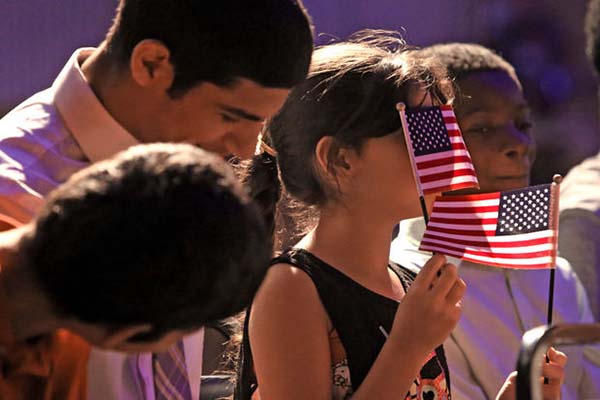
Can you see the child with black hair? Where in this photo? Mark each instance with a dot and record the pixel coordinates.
(501, 304)
(334, 318)
(130, 254)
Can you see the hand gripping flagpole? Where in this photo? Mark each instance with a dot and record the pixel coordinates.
(401, 107)
(555, 193)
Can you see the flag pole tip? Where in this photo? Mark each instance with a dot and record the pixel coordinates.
(557, 178)
(400, 106)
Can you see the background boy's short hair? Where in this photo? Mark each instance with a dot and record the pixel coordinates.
(462, 59)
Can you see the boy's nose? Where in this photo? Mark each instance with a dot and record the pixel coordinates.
(517, 144)
(241, 144)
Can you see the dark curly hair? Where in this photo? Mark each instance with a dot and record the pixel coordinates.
(161, 234)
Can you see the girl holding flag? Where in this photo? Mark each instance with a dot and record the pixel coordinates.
(334, 318)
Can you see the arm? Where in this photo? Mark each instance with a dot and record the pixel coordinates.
(289, 335)
(579, 244)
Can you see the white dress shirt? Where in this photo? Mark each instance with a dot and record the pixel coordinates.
(579, 241)
(43, 141)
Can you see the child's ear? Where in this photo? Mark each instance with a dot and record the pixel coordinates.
(150, 66)
(334, 161)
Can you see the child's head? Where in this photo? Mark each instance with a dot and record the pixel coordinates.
(266, 41)
(492, 113)
(339, 132)
(161, 235)
(202, 72)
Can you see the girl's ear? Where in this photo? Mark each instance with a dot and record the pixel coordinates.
(334, 162)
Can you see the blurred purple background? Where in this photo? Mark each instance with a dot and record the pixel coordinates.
(543, 39)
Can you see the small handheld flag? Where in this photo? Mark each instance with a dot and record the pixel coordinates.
(437, 151)
(511, 229)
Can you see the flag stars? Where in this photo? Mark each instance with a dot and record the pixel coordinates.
(524, 210)
(428, 132)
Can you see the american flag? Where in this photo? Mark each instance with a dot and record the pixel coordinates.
(511, 229)
(439, 156)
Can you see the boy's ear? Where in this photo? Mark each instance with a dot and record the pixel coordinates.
(118, 336)
(150, 66)
(333, 160)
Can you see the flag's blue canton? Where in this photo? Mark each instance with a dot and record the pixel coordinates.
(427, 131)
(524, 210)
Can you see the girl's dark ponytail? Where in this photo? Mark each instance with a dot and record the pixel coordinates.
(262, 180)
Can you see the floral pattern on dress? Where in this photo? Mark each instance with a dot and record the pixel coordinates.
(430, 384)
(342, 385)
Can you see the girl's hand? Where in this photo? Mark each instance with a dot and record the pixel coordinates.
(553, 375)
(431, 307)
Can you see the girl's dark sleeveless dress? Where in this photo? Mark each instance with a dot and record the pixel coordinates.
(360, 318)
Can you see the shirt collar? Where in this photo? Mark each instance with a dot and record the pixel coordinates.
(412, 230)
(97, 132)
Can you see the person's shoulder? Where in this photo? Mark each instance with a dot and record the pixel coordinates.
(286, 280)
(287, 289)
(565, 270)
(37, 107)
(578, 189)
(34, 121)
(287, 293)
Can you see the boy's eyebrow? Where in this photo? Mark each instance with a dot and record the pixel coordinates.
(241, 113)
(482, 109)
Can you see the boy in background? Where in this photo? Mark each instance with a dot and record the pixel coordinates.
(500, 304)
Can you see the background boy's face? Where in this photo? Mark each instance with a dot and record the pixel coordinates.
(496, 124)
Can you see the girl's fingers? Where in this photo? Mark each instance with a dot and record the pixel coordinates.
(428, 273)
(457, 292)
(445, 282)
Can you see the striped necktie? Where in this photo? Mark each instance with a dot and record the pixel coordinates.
(170, 374)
